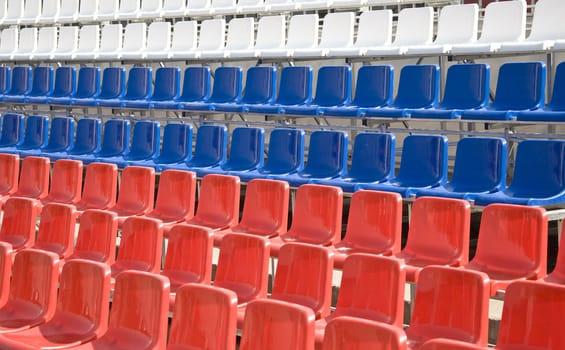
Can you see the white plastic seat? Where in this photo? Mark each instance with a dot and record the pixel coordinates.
(88, 10)
(67, 43)
(279, 5)
(212, 37)
(174, 8)
(110, 42)
(337, 32)
(46, 43)
(158, 40)
(129, 9)
(151, 9)
(415, 27)
(50, 12)
(457, 24)
(88, 42)
(384, 2)
(374, 30)
(250, 6)
(135, 41)
(313, 4)
(271, 34)
(108, 10)
(503, 22)
(302, 34)
(199, 8)
(348, 3)
(185, 40)
(69, 11)
(3, 9)
(8, 43)
(14, 11)
(32, 11)
(223, 7)
(241, 36)
(27, 44)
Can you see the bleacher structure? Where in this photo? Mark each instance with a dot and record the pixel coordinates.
(282, 174)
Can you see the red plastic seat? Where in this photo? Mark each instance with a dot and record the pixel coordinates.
(138, 317)
(82, 310)
(558, 274)
(9, 173)
(5, 271)
(344, 333)
(100, 187)
(512, 244)
(175, 197)
(34, 178)
(448, 344)
(57, 229)
(374, 225)
(140, 246)
(137, 192)
(277, 325)
(33, 291)
(438, 235)
(372, 288)
(18, 223)
(66, 182)
(450, 303)
(189, 256)
(96, 239)
(265, 210)
(317, 217)
(204, 318)
(532, 317)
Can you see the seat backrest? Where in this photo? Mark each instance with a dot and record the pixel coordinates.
(15, 9)
(42, 84)
(467, 86)
(146, 140)
(129, 6)
(111, 38)
(260, 85)
(458, 24)
(51, 9)
(374, 223)
(513, 238)
(218, 4)
(424, 161)
(286, 151)
(148, 295)
(12, 129)
(140, 83)
(61, 135)
(68, 39)
(96, 239)
(374, 29)
(351, 332)
(3, 8)
(480, 165)
(228, 85)
(546, 23)
(212, 34)
(22, 78)
(438, 307)
(557, 102)
(520, 86)
(185, 36)
(100, 185)
(135, 37)
(31, 9)
(327, 154)
(177, 143)
(18, 222)
(302, 32)
(5, 79)
(89, 39)
(196, 84)
(159, 36)
(137, 189)
(333, 87)
(66, 182)
(283, 326)
(173, 5)
(271, 32)
(88, 83)
(87, 139)
(88, 8)
(504, 21)
(46, 39)
(37, 129)
(116, 137)
(374, 87)
(6, 257)
(219, 199)
(140, 246)
(9, 40)
(113, 83)
(295, 86)
(373, 157)
(151, 5)
(211, 146)
(9, 171)
(167, 84)
(69, 8)
(246, 149)
(34, 178)
(418, 86)
(176, 194)
(415, 26)
(108, 7)
(198, 4)
(57, 229)
(189, 255)
(337, 30)
(241, 34)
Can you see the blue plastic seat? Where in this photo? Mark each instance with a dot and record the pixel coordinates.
(5, 79)
(418, 88)
(22, 78)
(539, 175)
(167, 88)
(372, 162)
(35, 136)
(65, 84)
(520, 87)
(467, 87)
(144, 145)
(113, 85)
(227, 89)
(480, 167)
(260, 87)
(195, 88)
(423, 165)
(87, 140)
(42, 86)
(554, 111)
(295, 89)
(327, 158)
(115, 142)
(333, 89)
(60, 137)
(138, 88)
(286, 155)
(12, 131)
(88, 88)
(374, 88)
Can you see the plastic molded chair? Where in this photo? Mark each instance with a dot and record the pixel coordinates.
(87, 89)
(27, 44)
(211, 37)
(277, 325)
(512, 245)
(176, 148)
(5, 79)
(115, 142)
(96, 239)
(57, 229)
(150, 9)
(372, 288)
(31, 12)
(87, 140)
(65, 85)
(158, 41)
(538, 177)
(260, 88)
(240, 36)
(46, 44)
(34, 178)
(8, 42)
(438, 307)
(184, 40)
(374, 226)
(50, 11)
(14, 11)
(136, 194)
(351, 332)
(174, 8)
(445, 222)
(35, 137)
(135, 42)
(138, 87)
(130, 9)
(167, 88)
(12, 131)
(317, 217)
(9, 174)
(6, 257)
(42, 85)
(302, 34)
(271, 34)
(337, 32)
(448, 344)
(144, 145)
(111, 42)
(196, 87)
(100, 187)
(38, 84)
(555, 109)
(480, 167)
(520, 87)
(107, 10)
(18, 223)
(60, 136)
(69, 11)
(227, 89)
(144, 329)
(423, 165)
(66, 182)
(21, 83)
(88, 42)
(113, 85)
(175, 197)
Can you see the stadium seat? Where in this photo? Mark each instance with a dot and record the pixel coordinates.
(282, 325)
(100, 187)
(240, 36)
(512, 245)
(173, 8)
(137, 191)
(537, 178)
(12, 131)
(27, 44)
(176, 148)
(111, 41)
(88, 10)
(274, 6)
(311, 224)
(337, 32)
(423, 165)
(271, 34)
(467, 88)
(67, 43)
(8, 43)
(130, 9)
(56, 232)
(66, 182)
(40, 84)
(444, 221)
(22, 79)
(60, 138)
(65, 85)
(347, 332)
(211, 37)
(107, 10)
(69, 11)
(139, 87)
(88, 42)
(18, 222)
(554, 111)
(227, 88)
(32, 301)
(260, 88)
(195, 88)
(135, 41)
(448, 344)
(158, 40)
(166, 88)
(374, 226)
(184, 41)
(34, 178)
(5, 79)
(50, 11)
(14, 12)
(175, 197)
(372, 162)
(115, 142)
(87, 140)
(9, 174)
(372, 288)
(46, 44)
(302, 34)
(6, 263)
(223, 7)
(144, 145)
(31, 13)
(213, 310)
(96, 239)
(199, 8)
(87, 90)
